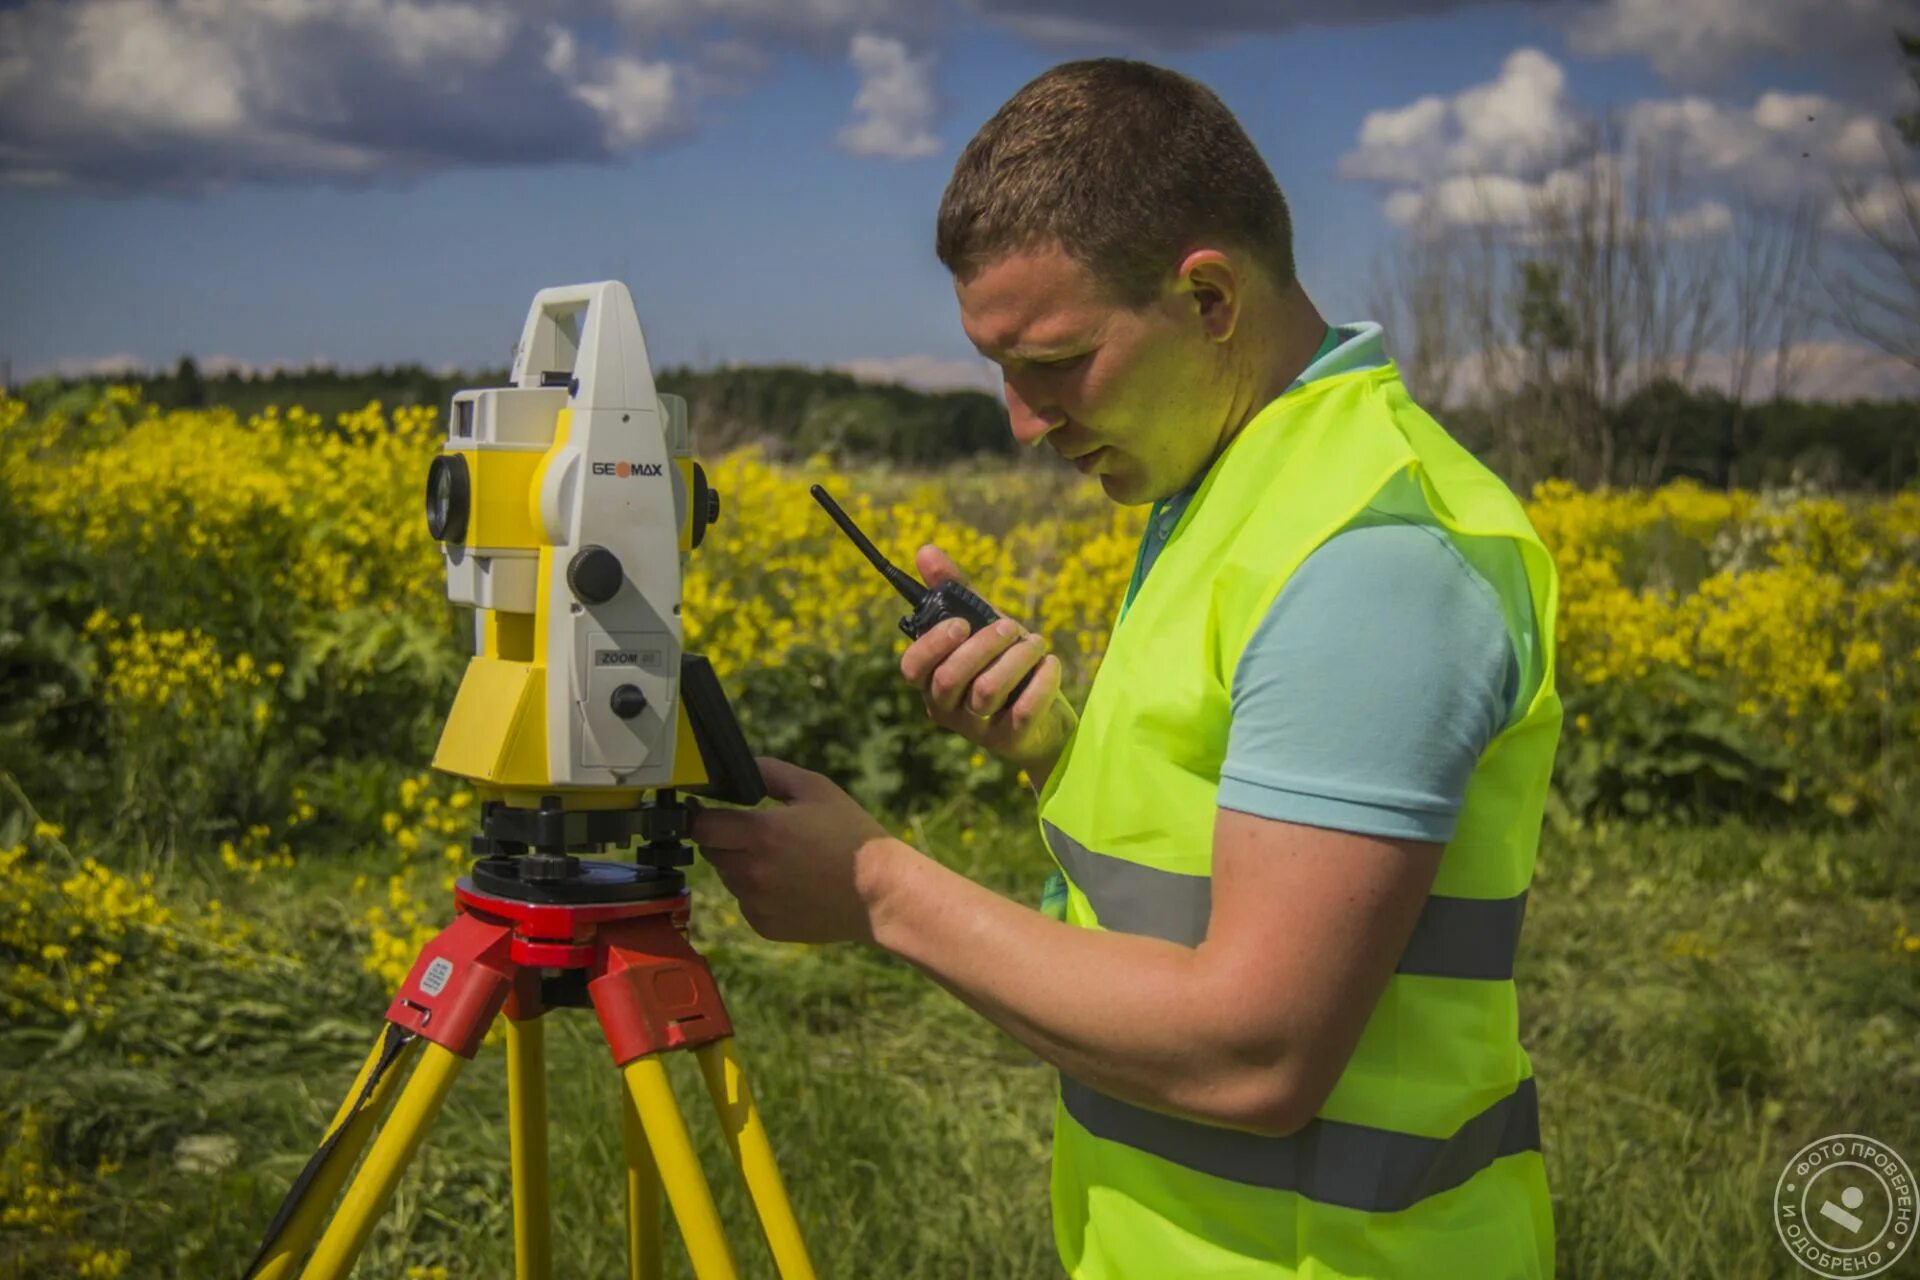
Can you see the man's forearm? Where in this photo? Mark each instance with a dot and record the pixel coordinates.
(1127, 1014)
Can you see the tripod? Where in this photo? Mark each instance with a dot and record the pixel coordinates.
(533, 933)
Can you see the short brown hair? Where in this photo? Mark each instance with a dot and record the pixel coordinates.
(1124, 166)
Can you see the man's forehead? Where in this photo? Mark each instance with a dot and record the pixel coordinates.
(1029, 301)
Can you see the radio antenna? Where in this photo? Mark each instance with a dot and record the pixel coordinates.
(902, 581)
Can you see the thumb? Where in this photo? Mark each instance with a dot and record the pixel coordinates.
(935, 568)
(787, 781)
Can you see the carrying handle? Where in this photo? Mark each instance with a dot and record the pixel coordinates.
(578, 336)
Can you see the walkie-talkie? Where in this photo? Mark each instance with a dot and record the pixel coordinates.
(931, 605)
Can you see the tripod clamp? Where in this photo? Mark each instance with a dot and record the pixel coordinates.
(652, 991)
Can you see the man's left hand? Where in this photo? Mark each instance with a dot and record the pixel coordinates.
(807, 871)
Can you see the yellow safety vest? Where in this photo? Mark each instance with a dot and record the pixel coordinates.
(1425, 1159)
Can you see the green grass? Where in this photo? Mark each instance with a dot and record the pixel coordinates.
(1699, 1003)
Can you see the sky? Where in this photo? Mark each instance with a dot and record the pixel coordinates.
(362, 182)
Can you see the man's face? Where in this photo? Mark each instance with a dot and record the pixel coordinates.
(1138, 395)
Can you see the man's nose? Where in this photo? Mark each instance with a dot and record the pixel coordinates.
(1030, 423)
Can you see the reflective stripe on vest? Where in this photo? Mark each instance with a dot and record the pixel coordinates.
(1453, 938)
(1328, 1161)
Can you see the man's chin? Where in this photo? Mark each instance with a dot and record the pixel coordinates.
(1121, 488)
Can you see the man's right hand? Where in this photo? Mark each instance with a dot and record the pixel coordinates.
(964, 680)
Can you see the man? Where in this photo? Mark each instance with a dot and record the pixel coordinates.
(1296, 821)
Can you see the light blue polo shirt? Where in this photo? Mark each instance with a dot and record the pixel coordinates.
(1383, 668)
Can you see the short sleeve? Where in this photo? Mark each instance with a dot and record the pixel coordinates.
(1366, 695)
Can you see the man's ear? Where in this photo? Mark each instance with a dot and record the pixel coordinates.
(1209, 288)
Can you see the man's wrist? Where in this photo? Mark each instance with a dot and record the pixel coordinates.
(1040, 768)
(884, 865)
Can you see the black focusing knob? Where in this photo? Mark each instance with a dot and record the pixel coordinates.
(594, 575)
(628, 701)
(706, 504)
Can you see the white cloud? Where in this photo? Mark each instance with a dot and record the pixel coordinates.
(119, 365)
(188, 95)
(1862, 143)
(1883, 207)
(1517, 122)
(1514, 125)
(1501, 200)
(1108, 26)
(1487, 155)
(563, 52)
(928, 373)
(1705, 220)
(636, 101)
(1465, 200)
(1400, 144)
(1827, 370)
(895, 106)
(1690, 41)
(440, 35)
(825, 24)
(138, 67)
(1783, 147)
(185, 96)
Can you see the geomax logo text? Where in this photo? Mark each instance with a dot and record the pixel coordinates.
(625, 469)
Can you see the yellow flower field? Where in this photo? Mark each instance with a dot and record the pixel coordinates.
(1798, 615)
(237, 655)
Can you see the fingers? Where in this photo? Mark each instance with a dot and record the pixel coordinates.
(924, 656)
(952, 680)
(721, 829)
(935, 568)
(1038, 695)
(787, 781)
(992, 686)
(734, 868)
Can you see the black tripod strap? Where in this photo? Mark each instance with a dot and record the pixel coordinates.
(392, 1045)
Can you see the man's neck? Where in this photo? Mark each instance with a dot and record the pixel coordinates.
(1284, 341)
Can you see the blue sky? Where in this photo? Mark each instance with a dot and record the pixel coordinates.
(764, 175)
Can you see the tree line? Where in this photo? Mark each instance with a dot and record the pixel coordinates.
(793, 412)
(1659, 431)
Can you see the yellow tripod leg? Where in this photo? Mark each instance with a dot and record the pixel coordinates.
(372, 1187)
(687, 1190)
(285, 1250)
(740, 1121)
(527, 1148)
(645, 1226)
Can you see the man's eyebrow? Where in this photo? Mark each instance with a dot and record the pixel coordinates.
(1025, 351)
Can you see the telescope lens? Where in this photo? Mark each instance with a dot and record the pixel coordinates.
(449, 497)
